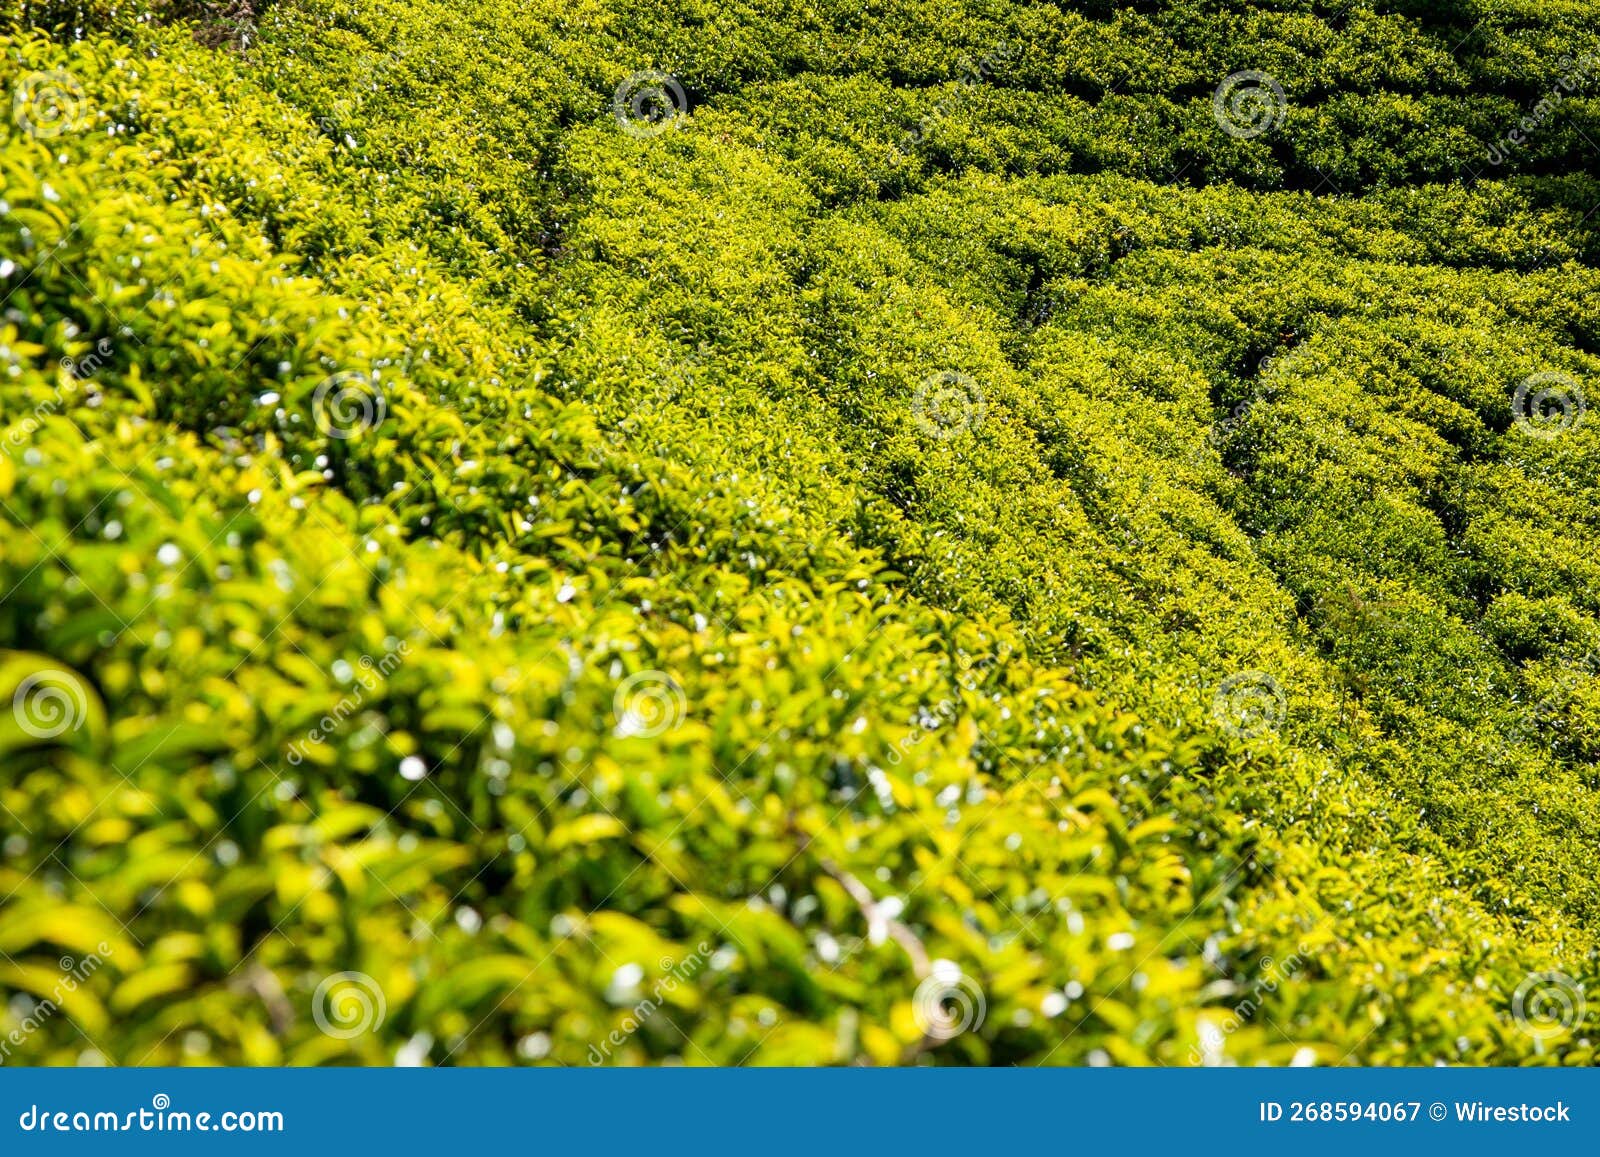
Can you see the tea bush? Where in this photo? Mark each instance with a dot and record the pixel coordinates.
(937, 529)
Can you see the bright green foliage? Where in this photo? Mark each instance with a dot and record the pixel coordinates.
(645, 424)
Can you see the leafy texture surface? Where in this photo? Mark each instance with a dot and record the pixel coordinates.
(978, 533)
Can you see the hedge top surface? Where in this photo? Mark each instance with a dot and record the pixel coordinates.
(799, 534)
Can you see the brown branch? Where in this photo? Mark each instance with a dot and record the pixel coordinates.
(898, 931)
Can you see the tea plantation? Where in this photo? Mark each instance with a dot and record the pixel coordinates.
(982, 532)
